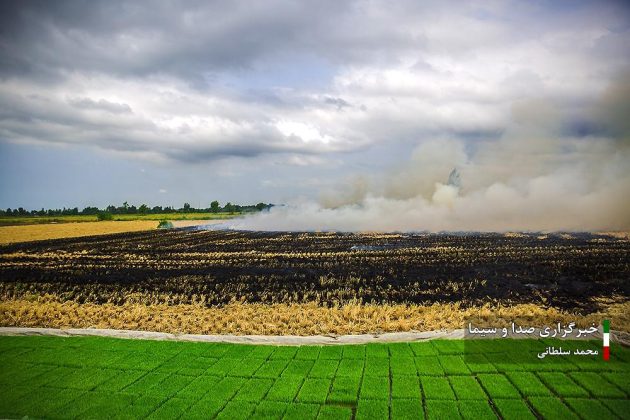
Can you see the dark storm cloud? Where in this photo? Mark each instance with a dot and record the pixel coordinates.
(188, 39)
(196, 81)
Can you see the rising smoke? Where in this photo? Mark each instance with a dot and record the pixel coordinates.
(538, 176)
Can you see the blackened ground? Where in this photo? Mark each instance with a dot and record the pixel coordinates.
(217, 267)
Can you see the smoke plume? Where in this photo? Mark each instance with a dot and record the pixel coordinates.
(538, 176)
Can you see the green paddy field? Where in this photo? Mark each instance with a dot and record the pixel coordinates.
(89, 377)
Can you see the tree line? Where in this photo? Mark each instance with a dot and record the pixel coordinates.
(215, 207)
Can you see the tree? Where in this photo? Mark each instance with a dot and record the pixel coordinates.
(261, 206)
(229, 208)
(143, 209)
(214, 206)
(103, 215)
(186, 208)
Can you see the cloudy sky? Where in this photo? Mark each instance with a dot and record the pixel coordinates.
(281, 101)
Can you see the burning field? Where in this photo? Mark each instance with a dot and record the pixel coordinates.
(200, 281)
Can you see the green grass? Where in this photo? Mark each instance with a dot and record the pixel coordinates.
(53, 377)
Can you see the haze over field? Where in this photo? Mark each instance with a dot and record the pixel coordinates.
(352, 113)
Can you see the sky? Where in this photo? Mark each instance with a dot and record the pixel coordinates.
(346, 111)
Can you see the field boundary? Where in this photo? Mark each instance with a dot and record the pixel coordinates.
(286, 340)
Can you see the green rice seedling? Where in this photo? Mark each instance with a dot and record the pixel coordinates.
(453, 347)
(299, 368)
(120, 381)
(423, 348)
(377, 350)
(307, 353)
(145, 383)
(172, 408)
(377, 366)
(562, 385)
(440, 409)
(354, 352)
(236, 409)
(428, 366)
(345, 390)
(171, 386)
(269, 410)
(272, 368)
(372, 409)
(227, 387)
(528, 384)
(479, 363)
(550, 407)
(476, 409)
(407, 409)
(285, 388)
(375, 388)
(406, 387)
(223, 367)
(45, 401)
(324, 368)
(283, 352)
(261, 352)
(404, 366)
(205, 408)
(621, 407)
(622, 380)
(351, 367)
(397, 350)
(513, 409)
(246, 367)
(254, 389)
(596, 385)
(199, 387)
(299, 411)
(330, 352)
(436, 388)
(589, 409)
(498, 386)
(334, 412)
(454, 365)
(314, 390)
(467, 388)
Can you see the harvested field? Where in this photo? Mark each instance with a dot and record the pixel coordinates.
(219, 267)
(39, 232)
(311, 283)
(293, 319)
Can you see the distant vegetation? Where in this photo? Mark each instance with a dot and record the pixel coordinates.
(21, 216)
(215, 207)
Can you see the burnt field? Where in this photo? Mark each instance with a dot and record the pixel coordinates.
(218, 267)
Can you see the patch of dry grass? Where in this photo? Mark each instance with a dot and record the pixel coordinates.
(288, 319)
(26, 233)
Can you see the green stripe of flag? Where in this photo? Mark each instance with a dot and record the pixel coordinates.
(606, 326)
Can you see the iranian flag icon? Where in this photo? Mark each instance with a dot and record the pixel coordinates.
(606, 325)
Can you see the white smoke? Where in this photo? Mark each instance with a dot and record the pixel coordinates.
(534, 178)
